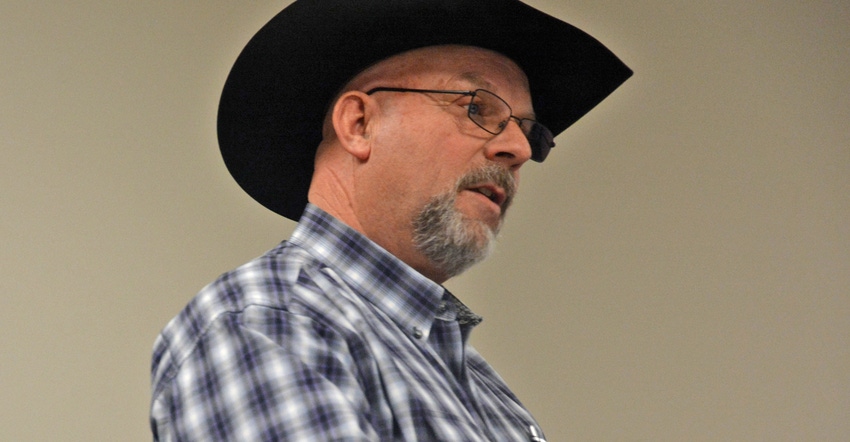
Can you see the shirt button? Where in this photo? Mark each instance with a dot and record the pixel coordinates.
(417, 333)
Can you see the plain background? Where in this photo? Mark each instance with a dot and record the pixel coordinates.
(678, 269)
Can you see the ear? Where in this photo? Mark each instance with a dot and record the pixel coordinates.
(351, 117)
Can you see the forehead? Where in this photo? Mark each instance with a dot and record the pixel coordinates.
(478, 67)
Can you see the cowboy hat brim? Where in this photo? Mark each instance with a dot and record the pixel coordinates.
(275, 98)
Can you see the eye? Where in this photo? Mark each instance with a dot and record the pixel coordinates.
(480, 107)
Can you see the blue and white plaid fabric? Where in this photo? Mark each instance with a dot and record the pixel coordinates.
(327, 337)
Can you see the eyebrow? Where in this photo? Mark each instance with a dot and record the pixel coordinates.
(477, 80)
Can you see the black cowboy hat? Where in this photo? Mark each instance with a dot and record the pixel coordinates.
(273, 104)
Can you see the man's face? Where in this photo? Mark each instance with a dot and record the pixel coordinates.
(442, 183)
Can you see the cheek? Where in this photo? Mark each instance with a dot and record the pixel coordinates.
(423, 156)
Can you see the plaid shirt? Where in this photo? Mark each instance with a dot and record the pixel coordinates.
(328, 337)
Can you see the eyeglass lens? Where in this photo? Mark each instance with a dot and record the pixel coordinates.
(492, 113)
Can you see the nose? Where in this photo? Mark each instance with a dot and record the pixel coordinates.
(510, 147)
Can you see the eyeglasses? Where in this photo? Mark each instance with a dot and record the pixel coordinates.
(491, 113)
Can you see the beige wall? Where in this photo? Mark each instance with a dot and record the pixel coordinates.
(678, 270)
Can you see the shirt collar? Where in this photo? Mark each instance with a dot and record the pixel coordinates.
(453, 309)
(395, 288)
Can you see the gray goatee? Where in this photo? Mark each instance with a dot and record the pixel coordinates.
(452, 242)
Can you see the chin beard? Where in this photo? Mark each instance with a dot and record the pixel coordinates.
(449, 240)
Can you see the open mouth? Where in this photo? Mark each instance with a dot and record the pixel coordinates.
(493, 193)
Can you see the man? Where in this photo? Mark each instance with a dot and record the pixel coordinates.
(394, 132)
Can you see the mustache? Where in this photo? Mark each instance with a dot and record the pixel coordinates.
(491, 173)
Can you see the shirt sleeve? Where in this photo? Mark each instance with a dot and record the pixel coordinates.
(263, 374)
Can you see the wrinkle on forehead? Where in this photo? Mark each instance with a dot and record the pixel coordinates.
(476, 80)
(469, 60)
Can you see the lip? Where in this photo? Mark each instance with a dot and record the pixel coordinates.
(497, 195)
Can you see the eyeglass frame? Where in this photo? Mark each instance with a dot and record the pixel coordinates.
(540, 145)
